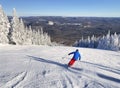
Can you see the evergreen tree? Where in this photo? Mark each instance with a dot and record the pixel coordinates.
(104, 42)
(114, 42)
(17, 30)
(101, 43)
(15, 27)
(119, 41)
(87, 43)
(107, 41)
(92, 42)
(29, 36)
(22, 32)
(82, 44)
(4, 27)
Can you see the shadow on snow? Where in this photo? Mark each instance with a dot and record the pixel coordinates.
(78, 70)
(103, 67)
(108, 77)
(107, 69)
(56, 63)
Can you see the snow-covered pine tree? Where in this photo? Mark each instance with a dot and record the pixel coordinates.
(96, 42)
(87, 41)
(28, 36)
(93, 42)
(114, 42)
(107, 41)
(38, 36)
(41, 36)
(104, 42)
(4, 27)
(22, 32)
(46, 39)
(76, 44)
(15, 27)
(35, 37)
(119, 41)
(81, 43)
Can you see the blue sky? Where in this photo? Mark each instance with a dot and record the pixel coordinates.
(98, 8)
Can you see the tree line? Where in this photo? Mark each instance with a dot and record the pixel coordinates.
(108, 42)
(15, 32)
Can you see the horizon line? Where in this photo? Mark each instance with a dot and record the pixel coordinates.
(66, 16)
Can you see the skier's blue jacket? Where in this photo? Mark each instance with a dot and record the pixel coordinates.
(76, 55)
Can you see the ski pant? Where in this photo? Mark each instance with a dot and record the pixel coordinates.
(72, 61)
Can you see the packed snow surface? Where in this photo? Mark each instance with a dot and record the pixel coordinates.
(46, 67)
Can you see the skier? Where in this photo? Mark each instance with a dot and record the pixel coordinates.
(76, 57)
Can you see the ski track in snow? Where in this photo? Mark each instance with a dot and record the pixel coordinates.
(15, 81)
(51, 70)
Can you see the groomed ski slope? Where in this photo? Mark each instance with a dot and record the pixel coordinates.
(45, 67)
